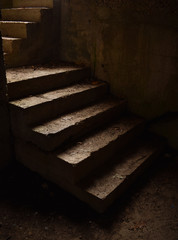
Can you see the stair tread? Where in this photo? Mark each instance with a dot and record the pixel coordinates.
(31, 101)
(19, 22)
(11, 38)
(108, 178)
(19, 8)
(62, 122)
(26, 73)
(98, 140)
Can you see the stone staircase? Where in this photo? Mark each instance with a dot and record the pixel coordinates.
(24, 29)
(69, 129)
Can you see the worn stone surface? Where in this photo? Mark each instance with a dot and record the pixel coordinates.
(52, 95)
(103, 186)
(50, 104)
(49, 135)
(37, 79)
(73, 118)
(67, 166)
(99, 140)
(30, 72)
(113, 179)
(107, 180)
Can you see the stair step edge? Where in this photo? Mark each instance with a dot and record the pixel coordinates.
(11, 38)
(24, 8)
(18, 22)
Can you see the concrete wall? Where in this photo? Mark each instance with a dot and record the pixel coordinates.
(130, 44)
(5, 3)
(5, 150)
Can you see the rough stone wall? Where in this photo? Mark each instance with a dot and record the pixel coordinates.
(130, 44)
(5, 152)
(5, 3)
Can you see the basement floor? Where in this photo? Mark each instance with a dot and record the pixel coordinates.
(31, 208)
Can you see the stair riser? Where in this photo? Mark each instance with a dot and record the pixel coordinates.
(33, 3)
(18, 30)
(7, 58)
(44, 166)
(49, 143)
(49, 169)
(7, 46)
(45, 111)
(31, 15)
(46, 83)
(30, 52)
(10, 46)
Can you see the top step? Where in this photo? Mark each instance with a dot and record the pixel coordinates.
(30, 14)
(33, 3)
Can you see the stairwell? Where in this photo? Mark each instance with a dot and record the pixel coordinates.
(24, 29)
(71, 130)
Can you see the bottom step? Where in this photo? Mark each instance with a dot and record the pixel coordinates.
(107, 183)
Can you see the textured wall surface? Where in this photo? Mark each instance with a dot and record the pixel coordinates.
(130, 44)
(5, 3)
(5, 153)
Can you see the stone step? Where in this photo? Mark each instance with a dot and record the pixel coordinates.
(38, 108)
(24, 14)
(18, 29)
(32, 80)
(75, 162)
(33, 3)
(51, 134)
(90, 152)
(11, 44)
(108, 183)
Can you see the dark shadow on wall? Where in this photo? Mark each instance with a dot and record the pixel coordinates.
(5, 3)
(133, 45)
(5, 147)
(130, 44)
(167, 126)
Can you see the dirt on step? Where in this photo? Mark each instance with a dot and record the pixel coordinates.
(34, 209)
